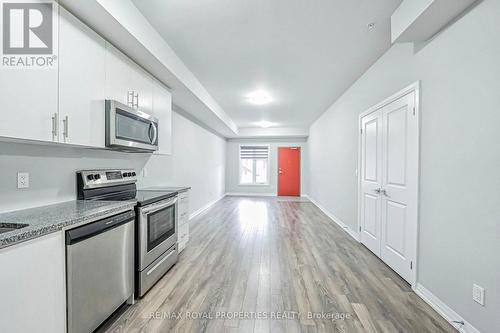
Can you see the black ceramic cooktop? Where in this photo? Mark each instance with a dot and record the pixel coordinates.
(143, 197)
(148, 197)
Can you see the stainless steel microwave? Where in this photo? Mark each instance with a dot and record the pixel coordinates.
(129, 129)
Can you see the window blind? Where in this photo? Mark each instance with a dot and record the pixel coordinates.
(254, 152)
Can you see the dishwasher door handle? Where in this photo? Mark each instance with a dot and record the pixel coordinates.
(94, 228)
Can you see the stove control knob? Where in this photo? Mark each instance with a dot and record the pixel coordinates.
(125, 174)
(133, 173)
(97, 176)
(90, 177)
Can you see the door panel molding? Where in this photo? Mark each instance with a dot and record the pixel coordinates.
(400, 178)
(370, 150)
(390, 240)
(399, 146)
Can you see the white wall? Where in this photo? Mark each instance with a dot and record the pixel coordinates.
(459, 213)
(198, 160)
(52, 168)
(52, 172)
(232, 166)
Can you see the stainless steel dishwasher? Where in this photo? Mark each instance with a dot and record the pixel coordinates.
(100, 270)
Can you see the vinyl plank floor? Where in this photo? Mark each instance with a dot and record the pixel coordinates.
(276, 265)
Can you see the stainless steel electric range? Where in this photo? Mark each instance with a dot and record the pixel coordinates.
(156, 220)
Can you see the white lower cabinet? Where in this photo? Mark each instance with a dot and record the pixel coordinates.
(32, 285)
(183, 236)
(82, 54)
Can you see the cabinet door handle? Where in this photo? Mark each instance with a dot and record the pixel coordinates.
(65, 129)
(130, 98)
(136, 97)
(55, 125)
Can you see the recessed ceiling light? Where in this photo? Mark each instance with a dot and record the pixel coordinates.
(265, 124)
(371, 26)
(259, 97)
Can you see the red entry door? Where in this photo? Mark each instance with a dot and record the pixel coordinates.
(289, 171)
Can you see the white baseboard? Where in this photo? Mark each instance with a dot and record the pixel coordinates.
(335, 219)
(444, 310)
(204, 208)
(250, 194)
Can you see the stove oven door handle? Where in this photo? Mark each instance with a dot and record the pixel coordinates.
(158, 206)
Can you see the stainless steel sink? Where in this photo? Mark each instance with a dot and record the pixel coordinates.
(6, 227)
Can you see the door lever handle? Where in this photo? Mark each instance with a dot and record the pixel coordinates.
(381, 191)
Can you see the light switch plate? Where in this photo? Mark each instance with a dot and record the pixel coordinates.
(478, 294)
(23, 180)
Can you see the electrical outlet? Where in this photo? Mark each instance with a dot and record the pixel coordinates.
(478, 294)
(23, 180)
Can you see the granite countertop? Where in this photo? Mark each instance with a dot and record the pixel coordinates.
(48, 219)
(178, 189)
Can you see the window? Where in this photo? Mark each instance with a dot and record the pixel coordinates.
(254, 162)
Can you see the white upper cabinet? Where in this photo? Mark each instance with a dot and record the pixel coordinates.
(162, 109)
(82, 55)
(65, 103)
(29, 103)
(28, 96)
(126, 82)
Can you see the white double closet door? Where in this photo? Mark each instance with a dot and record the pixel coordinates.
(389, 184)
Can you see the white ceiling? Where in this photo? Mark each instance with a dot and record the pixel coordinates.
(305, 53)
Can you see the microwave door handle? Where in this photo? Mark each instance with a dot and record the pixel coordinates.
(155, 132)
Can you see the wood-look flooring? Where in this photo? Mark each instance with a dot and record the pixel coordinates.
(283, 260)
